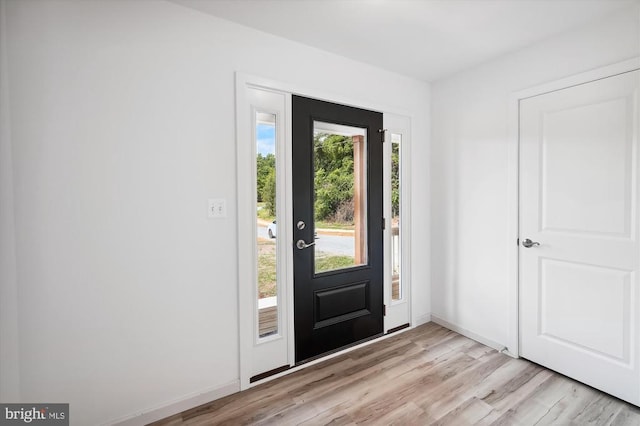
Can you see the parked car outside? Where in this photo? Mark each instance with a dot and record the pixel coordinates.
(271, 229)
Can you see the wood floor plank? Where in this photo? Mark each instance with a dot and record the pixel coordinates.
(601, 410)
(583, 406)
(407, 414)
(469, 412)
(531, 410)
(424, 376)
(627, 416)
(493, 379)
(515, 396)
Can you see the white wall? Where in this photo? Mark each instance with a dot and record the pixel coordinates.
(9, 347)
(470, 286)
(121, 126)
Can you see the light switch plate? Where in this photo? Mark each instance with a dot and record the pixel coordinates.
(217, 208)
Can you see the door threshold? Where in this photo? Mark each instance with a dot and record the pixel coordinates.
(269, 373)
(340, 349)
(327, 356)
(398, 328)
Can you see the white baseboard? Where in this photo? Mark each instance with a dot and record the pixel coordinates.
(422, 319)
(198, 398)
(177, 406)
(471, 335)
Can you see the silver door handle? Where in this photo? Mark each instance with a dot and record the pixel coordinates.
(528, 243)
(302, 245)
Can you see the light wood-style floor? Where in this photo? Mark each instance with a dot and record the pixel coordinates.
(425, 376)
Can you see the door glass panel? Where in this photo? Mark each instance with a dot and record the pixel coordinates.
(340, 196)
(396, 282)
(267, 291)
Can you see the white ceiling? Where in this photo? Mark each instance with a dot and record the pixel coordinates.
(425, 39)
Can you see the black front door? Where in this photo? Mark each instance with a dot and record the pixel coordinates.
(338, 226)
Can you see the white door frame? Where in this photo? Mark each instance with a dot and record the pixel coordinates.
(397, 310)
(513, 345)
(246, 278)
(257, 353)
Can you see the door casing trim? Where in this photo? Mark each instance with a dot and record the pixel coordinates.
(513, 180)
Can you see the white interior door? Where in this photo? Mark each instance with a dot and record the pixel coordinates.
(579, 201)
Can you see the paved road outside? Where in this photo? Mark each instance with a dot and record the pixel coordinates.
(337, 244)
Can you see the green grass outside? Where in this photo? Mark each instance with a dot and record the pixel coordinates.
(267, 266)
(326, 262)
(263, 213)
(321, 224)
(266, 269)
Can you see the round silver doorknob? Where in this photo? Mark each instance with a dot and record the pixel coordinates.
(528, 243)
(302, 245)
